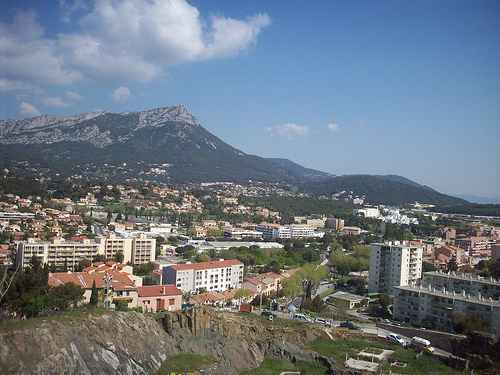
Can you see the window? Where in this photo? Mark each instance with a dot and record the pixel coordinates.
(171, 301)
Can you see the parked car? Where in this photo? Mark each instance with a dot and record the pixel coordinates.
(396, 324)
(386, 321)
(350, 325)
(301, 318)
(420, 343)
(361, 310)
(392, 337)
(323, 321)
(268, 313)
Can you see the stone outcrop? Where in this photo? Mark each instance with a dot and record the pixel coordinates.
(132, 343)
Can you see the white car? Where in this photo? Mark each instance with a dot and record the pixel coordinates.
(325, 322)
(392, 337)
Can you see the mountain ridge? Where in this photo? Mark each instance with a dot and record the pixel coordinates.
(168, 145)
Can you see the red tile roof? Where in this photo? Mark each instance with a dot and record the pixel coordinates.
(159, 290)
(120, 281)
(207, 265)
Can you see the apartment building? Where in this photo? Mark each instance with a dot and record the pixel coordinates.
(464, 283)
(413, 303)
(139, 250)
(285, 231)
(333, 223)
(240, 233)
(58, 252)
(68, 253)
(211, 276)
(270, 230)
(394, 264)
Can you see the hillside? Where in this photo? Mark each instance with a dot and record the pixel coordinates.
(379, 191)
(166, 145)
(308, 173)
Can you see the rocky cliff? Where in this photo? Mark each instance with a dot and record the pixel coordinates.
(132, 343)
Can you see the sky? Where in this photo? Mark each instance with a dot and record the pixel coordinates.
(347, 87)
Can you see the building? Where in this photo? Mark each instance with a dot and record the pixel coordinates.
(240, 233)
(366, 212)
(453, 252)
(139, 250)
(300, 230)
(209, 276)
(270, 230)
(447, 233)
(121, 287)
(463, 283)
(152, 298)
(58, 252)
(347, 301)
(412, 304)
(355, 231)
(333, 223)
(394, 264)
(476, 246)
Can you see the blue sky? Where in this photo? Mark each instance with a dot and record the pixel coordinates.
(347, 87)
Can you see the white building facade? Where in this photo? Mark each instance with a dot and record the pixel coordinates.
(394, 264)
(211, 276)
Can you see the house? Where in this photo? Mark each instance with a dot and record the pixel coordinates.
(121, 287)
(252, 284)
(210, 298)
(347, 300)
(159, 297)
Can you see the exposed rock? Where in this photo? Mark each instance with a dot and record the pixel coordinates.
(132, 343)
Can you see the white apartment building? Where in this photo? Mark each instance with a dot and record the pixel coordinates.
(394, 264)
(274, 230)
(212, 276)
(60, 252)
(240, 233)
(285, 231)
(301, 230)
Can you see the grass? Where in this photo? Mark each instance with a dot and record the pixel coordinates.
(184, 364)
(337, 349)
(275, 366)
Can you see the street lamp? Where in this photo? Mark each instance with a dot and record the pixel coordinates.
(107, 285)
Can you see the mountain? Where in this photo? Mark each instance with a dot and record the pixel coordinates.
(308, 173)
(480, 200)
(166, 144)
(403, 180)
(169, 145)
(379, 191)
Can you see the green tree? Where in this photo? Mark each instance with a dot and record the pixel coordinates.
(94, 295)
(466, 323)
(64, 295)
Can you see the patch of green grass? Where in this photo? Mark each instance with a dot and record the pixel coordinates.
(424, 364)
(184, 364)
(275, 366)
(337, 349)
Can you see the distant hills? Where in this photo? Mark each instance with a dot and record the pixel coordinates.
(308, 173)
(168, 145)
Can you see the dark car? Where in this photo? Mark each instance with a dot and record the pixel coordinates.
(268, 313)
(349, 325)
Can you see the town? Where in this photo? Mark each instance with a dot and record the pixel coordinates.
(153, 249)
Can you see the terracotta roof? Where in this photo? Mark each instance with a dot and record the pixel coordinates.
(158, 290)
(252, 280)
(85, 280)
(207, 265)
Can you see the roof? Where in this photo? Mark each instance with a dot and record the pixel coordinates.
(158, 290)
(120, 281)
(252, 280)
(347, 296)
(207, 265)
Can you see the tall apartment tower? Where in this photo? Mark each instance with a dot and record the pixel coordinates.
(394, 264)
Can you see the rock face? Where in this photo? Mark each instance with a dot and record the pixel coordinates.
(132, 343)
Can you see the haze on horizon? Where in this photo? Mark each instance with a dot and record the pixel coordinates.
(349, 87)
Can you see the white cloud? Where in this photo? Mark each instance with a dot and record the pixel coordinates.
(117, 42)
(121, 94)
(334, 128)
(55, 102)
(28, 110)
(288, 131)
(73, 95)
